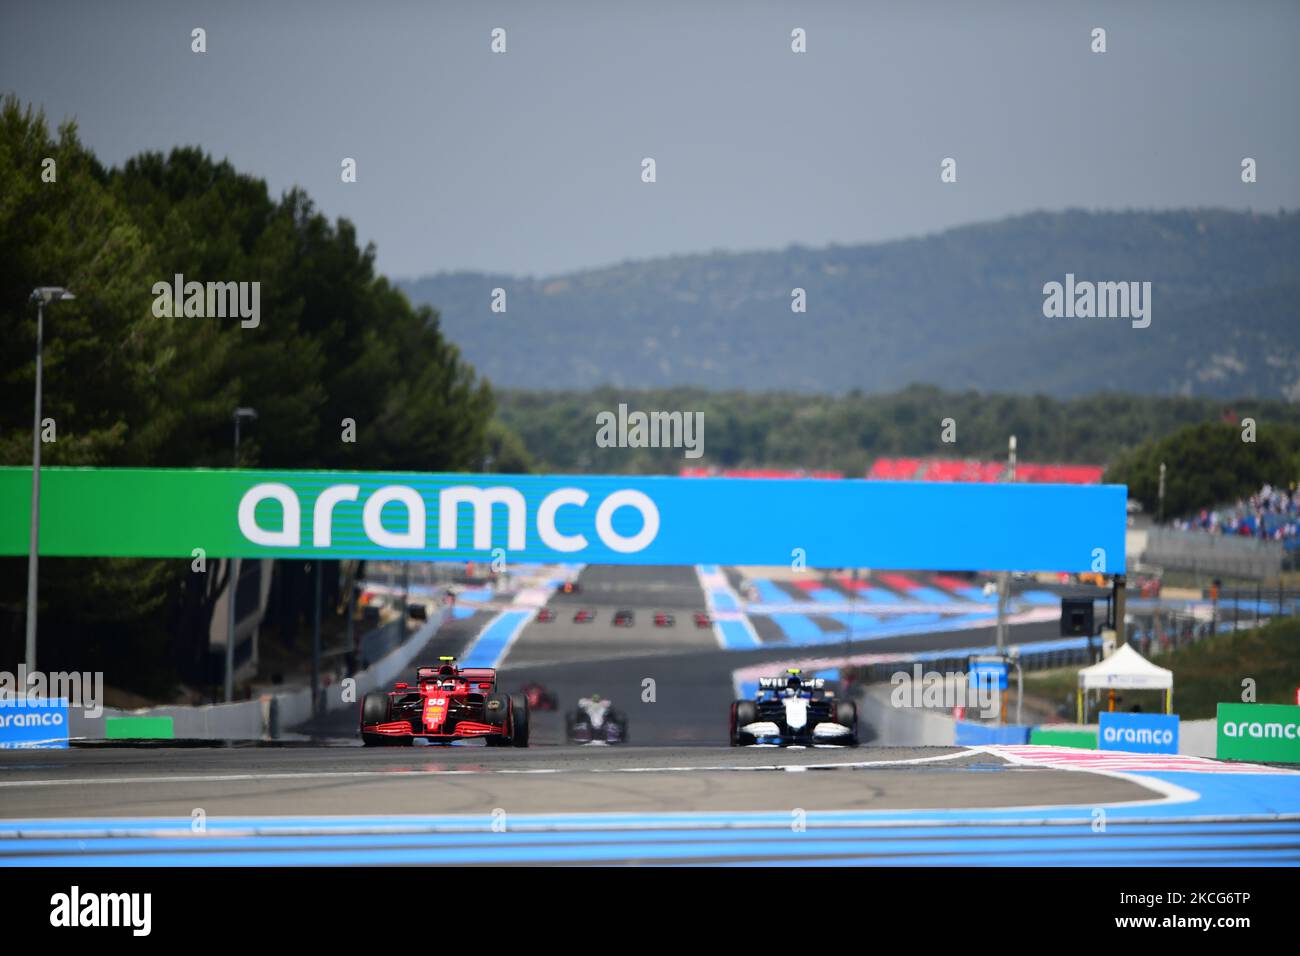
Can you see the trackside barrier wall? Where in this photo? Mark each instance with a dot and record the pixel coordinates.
(903, 726)
(1065, 735)
(1213, 554)
(1198, 738)
(251, 719)
(970, 734)
(915, 727)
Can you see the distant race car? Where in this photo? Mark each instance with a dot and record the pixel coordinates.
(794, 710)
(623, 618)
(664, 619)
(570, 587)
(584, 616)
(447, 703)
(595, 720)
(702, 619)
(538, 697)
(545, 615)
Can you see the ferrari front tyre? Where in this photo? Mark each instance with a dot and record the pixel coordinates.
(519, 722)
(374, 710)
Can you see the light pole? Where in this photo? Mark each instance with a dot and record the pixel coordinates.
(1004, 577)
(240, 415)
(1160, 512)
(41, 295)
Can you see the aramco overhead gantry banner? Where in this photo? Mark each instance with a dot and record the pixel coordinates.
(597, 519)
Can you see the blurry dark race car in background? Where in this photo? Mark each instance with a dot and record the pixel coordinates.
(595, 721)
(538, 697)
(623, 618)
(664, 619)
(544, 615)
(447, 703)
(584, 616)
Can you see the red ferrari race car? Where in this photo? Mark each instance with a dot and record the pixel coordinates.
(545, 615)
(447, 703)
(538, 697)
(702, 619)
(664, 619)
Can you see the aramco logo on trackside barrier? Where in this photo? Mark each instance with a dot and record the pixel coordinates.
(481, 500)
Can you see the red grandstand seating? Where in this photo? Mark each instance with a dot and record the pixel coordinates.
(894, 469)
(954, 469)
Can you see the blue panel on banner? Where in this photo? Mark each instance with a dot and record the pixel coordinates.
(610, 519)
(33, 723)
(974, 735)
(988, 674)
(1138, 733)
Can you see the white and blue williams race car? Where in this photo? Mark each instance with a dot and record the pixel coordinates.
(794, 710)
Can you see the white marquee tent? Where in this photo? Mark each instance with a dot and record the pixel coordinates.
(1126, 669)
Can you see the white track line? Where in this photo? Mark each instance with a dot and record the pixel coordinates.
(397, 774)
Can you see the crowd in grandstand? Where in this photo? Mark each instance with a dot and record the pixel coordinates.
(1272, 514)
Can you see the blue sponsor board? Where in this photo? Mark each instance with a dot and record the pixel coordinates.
(662, 520)
(988, 674)
(33, 722)
(970, 734)
(1138, 733)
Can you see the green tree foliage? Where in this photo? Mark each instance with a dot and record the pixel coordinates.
(127, 388)
(773, 429)
(1209, 464)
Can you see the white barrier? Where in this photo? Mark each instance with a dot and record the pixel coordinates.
(251, 719)
(1198, 738)
(903, 726)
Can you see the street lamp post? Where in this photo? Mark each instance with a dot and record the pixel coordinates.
(40, 296)
(1004, 577)
(240, 415)
(1160, 513)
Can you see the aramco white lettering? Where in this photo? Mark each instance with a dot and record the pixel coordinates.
(482, 501)
(1137, 735)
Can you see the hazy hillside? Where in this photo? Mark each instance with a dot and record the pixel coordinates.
(961, 309)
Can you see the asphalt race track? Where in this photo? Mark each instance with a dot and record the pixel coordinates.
(334, 805)
(252, 781)
(675, 794)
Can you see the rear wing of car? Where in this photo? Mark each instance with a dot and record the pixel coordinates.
(779, 683)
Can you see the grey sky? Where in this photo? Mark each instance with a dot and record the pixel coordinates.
(529, 162)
